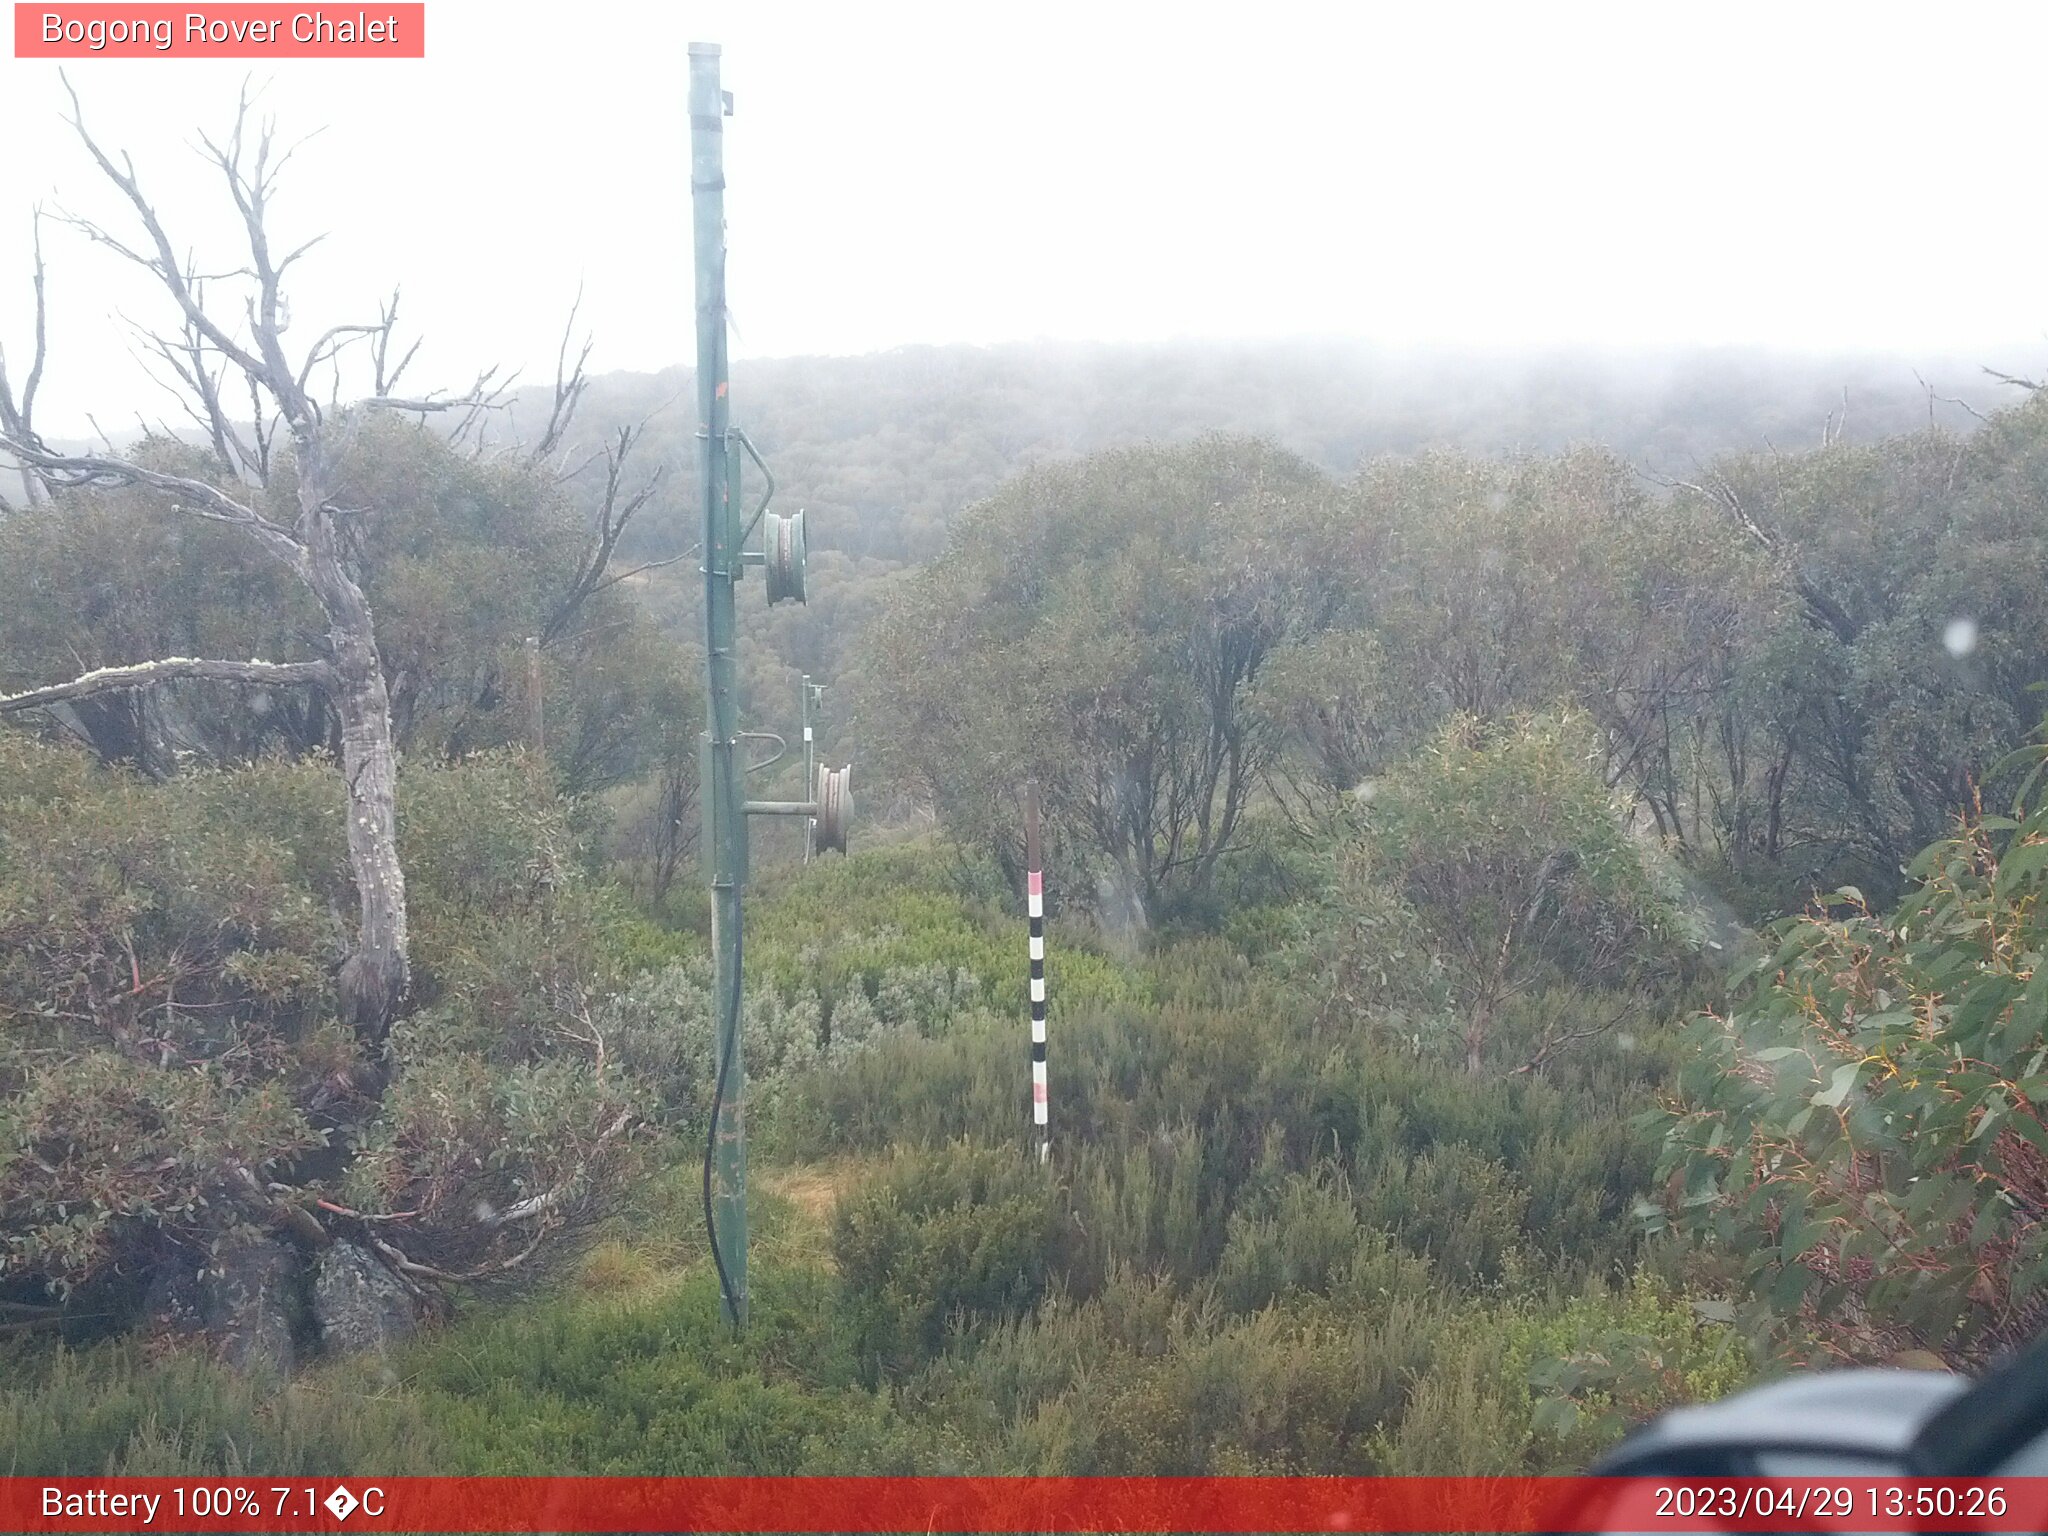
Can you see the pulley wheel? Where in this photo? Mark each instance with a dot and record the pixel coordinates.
(835, 806)
(783, 549)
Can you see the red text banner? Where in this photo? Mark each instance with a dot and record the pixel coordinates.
(993, 1504)
(227, 31)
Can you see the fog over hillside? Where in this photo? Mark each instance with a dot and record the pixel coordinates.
(885, 448)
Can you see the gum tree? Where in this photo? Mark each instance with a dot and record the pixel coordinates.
(1103, 626)
(212, 356)
(272, 456)
(280, 467)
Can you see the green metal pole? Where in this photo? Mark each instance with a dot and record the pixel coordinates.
(725, 820)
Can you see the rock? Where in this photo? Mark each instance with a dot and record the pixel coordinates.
(358, 1303)
(243, 1301)
(174, 1306)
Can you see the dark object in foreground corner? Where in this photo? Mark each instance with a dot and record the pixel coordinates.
(1856, 1423)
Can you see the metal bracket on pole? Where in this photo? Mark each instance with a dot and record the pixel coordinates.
(767, 474)
(781, 748)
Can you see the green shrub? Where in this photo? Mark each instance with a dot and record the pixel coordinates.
(840, 925)
(1146, 1206)
(1308, 1241)
(168, 1039)
(1460, 1209)
(1490, 863)
(114, 1411)
(1460, 1419)
(658, 1389)
(1607, 1361)
(910, 1091)
(165, 1003)
(962, 1236)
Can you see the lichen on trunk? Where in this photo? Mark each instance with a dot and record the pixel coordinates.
(375, 977)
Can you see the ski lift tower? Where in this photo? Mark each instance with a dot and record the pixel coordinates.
(723, 769)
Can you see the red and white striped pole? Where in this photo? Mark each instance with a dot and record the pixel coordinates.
(1034, 906)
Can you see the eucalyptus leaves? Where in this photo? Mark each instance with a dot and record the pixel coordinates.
(1870, 1127)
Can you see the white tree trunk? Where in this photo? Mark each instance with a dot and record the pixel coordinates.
(375, 977)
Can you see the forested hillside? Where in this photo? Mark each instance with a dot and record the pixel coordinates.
(884, 452)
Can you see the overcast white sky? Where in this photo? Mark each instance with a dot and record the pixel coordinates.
(1796, 176)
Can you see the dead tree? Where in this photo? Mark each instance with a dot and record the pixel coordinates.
(280, 440)
(217, 359)
(617, 505)
(18, 413)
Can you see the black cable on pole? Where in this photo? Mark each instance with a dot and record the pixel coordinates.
(731, 1034)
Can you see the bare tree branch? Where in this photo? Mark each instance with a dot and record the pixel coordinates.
(540, 1204)
(570, 383)
(263, 426)
(267, 315)
(477, 399)
(477, 402)
(187, 358)
(1556, 1040)
(69, 471)
(613, 516)
(2017, 381)
(329, 346)
(641, 570)
(384, 378)
(168, 669)
(483, 398)
(35, 369)
(396, 1257)
(1932, 397)
(1832, 428)
(165, 264)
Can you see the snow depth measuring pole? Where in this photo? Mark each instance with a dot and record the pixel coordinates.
(722, 770)
(1034, 910)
